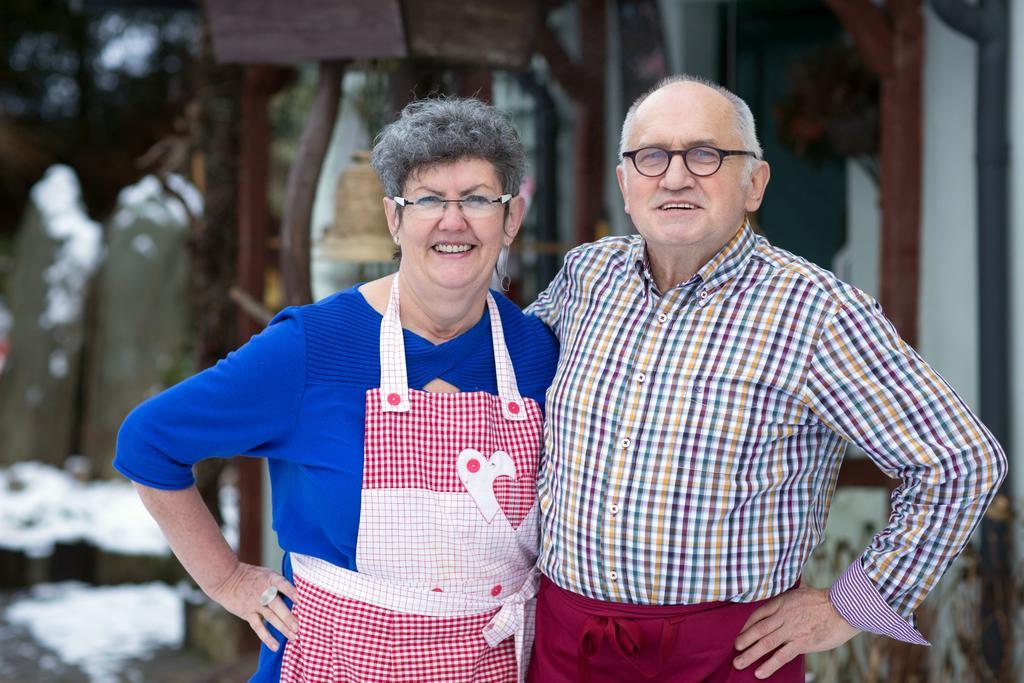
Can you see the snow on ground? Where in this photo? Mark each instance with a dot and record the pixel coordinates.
(58, 198)
(98, 629)
(42, 505)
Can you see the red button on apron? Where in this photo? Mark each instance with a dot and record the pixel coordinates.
(473, 465)
(437, 590)
(496, 591)
(513, 408)
(394, 399)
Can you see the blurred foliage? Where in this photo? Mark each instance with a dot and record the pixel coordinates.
(832, 108)
(92, 90)
(868, 658)
(953, 618)
(962, 597)
(288, 110)
(373, 101)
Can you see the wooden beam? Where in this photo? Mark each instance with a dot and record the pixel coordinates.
(478, 83)
(301, 187)
(890, 40)
(259, 83)
(583, 81)
(482, 33)
(863, 472)
(568, 74)
(253, 228)
(589, 171)
(275, 32)
(869, 27)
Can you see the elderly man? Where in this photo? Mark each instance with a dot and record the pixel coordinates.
(707, 387)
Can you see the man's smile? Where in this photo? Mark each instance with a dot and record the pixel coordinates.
(677, 206)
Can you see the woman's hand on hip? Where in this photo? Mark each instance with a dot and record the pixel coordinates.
(197, 542)
(253, 594)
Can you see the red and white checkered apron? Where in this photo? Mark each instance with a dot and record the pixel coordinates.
(447, 537)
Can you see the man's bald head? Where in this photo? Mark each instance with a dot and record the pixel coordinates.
(743, 118)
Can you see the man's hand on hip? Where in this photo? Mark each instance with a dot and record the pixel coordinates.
(799, 621)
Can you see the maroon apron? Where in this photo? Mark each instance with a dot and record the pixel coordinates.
(581, 640)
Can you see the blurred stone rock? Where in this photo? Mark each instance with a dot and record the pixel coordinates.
(140, 324)
(212, 631)
(114, 568)
(57, 251)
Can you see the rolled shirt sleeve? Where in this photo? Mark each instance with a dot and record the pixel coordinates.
(874, 390)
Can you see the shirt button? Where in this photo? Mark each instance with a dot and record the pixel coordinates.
(703, 294)
(613, 575)
(625, 442)
(662, 318)
(641, 377)
(613, 508)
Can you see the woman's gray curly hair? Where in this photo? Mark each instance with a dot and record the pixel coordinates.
(444, 130)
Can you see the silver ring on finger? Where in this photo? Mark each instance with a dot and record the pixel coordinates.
(267, 596)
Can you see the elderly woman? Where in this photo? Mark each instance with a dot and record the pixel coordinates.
(402, 424)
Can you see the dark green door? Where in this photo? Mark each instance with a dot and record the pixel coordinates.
(804, 209)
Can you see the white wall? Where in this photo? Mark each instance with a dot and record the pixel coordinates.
(859, 261)
(691, 36)
(1017, 237)
(949, 284)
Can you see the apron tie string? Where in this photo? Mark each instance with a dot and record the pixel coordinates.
(627, 638)
(510, 620)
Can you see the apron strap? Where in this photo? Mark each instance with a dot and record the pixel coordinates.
(512, 406)
(394, 380)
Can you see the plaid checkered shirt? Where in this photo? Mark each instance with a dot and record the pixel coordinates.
(694, 437)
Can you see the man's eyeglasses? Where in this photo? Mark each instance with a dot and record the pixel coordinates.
(431, 207)
(703, 160)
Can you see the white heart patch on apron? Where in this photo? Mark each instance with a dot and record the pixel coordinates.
(477, 473)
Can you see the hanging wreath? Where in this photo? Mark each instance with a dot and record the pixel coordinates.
(832, 108)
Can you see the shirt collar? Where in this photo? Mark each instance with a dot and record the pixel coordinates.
(637, 257)
(720, 269)
(730, 259)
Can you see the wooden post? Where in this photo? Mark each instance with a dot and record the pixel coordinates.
(302, 181)
(890, 40)
(583, 81)
(476, 82)
(252, 235)
(260, 82)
